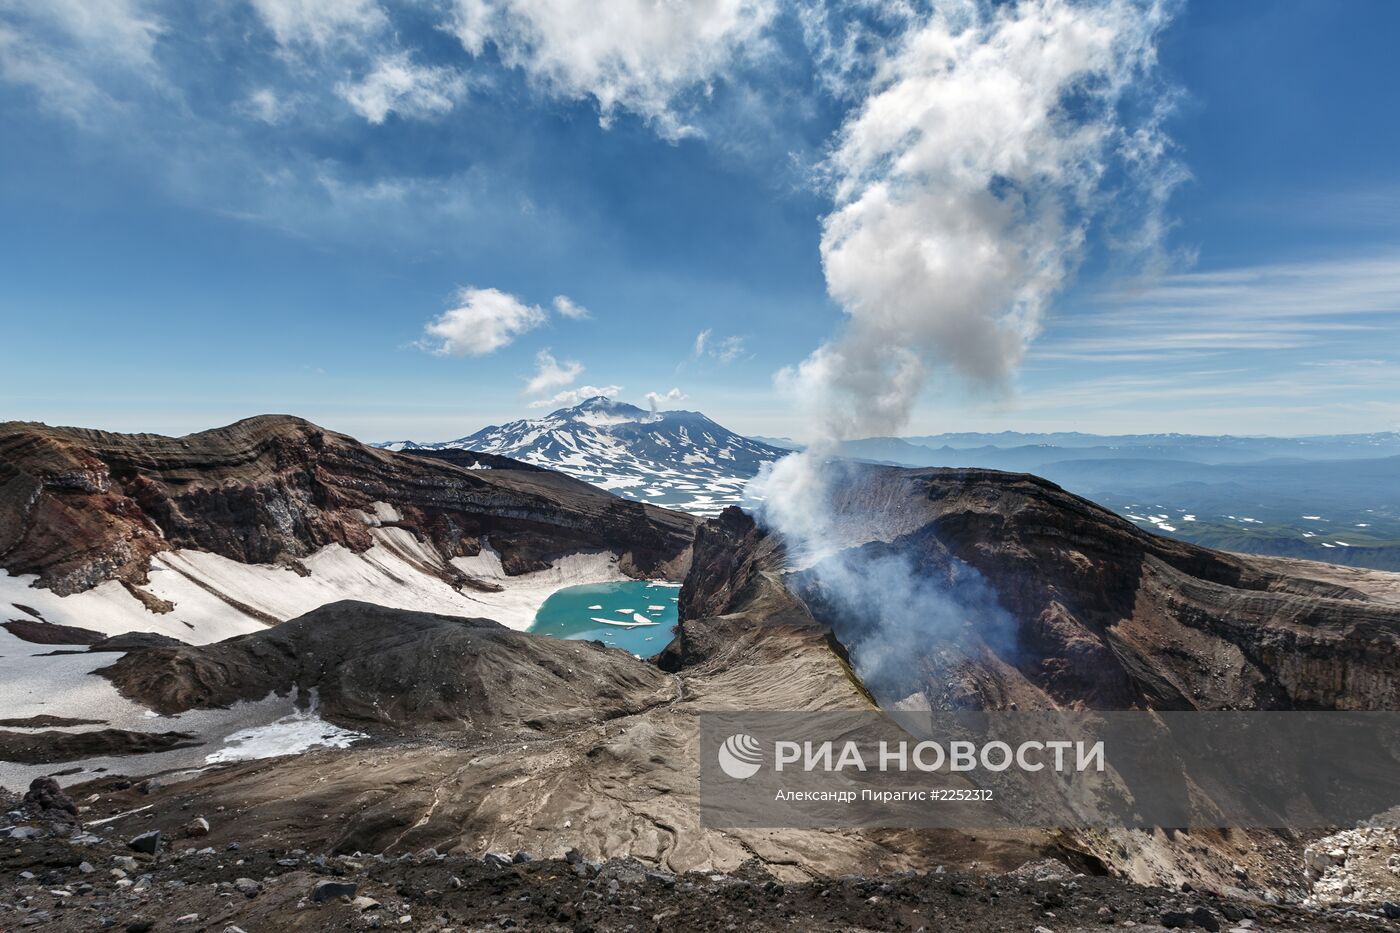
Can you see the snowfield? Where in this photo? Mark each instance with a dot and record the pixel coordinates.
(217, 598)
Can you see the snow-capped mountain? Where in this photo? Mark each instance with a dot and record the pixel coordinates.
(679, 459)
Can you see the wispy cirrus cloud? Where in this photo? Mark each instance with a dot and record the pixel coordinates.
(320, 23)
(72, 55)
(1276, 306)
(722, 350)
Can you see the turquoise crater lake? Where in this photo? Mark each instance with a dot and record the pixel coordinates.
(633, 615)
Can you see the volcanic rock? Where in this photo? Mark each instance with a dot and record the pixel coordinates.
(332, 890)
(1102, 614)
(134, 641)
(410, 671)
(50, 746)
(146, 843)
(47, 633)
(46, 801)
(46, 721)
(78, 507)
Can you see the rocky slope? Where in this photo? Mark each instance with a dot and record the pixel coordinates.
(79, 507)
(1105, 615)
(408, 672)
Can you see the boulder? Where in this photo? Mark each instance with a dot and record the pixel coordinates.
(332, 890)
(147, 843)
(46, 801)
(1206, 920)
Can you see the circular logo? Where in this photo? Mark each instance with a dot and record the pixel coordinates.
(740, 756)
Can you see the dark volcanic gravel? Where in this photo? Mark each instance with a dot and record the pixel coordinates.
(101, 884)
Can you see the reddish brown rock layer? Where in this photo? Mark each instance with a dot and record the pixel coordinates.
(78, 506)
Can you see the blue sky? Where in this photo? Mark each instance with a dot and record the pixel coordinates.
(217, 210)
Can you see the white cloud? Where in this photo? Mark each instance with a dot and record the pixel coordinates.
(570, 309)
(637, 55)
(573, 396)
(723, 350)
(550, 374)
(964, 188)
(657, 399)
(396, 85)
(320, 23)
(483, 321)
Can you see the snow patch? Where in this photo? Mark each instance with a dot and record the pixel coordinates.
(294, 733)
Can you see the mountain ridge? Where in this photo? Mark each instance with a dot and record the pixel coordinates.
(679, 459)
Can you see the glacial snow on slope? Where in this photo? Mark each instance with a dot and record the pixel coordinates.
(677, 459)
(216, 598)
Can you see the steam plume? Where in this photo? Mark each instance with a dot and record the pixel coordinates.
(965, 185)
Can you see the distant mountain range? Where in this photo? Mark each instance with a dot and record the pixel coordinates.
(1012, 450)
(678, 459)
(1219, 446)
(1331, 498)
